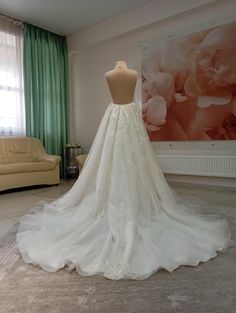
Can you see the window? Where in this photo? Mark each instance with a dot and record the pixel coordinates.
(12, 108)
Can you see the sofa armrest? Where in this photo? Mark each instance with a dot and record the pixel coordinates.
(49, 158)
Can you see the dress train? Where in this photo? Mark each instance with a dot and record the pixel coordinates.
(120, 219)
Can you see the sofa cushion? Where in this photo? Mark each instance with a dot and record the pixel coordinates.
(20, 157)
(19, 145)
(26, 167)
(3, 158)
(20, 149)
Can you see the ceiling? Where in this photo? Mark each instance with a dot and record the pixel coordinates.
(66, 16)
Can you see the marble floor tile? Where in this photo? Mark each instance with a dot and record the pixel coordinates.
(6, 224)
(231, 216)
(14, 204)
(14, 211)
(217, 196)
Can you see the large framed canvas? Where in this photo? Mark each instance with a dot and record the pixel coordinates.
(189, 86)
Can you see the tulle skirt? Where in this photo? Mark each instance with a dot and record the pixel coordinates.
(120, 219)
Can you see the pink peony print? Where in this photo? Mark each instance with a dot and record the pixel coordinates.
(189, 87)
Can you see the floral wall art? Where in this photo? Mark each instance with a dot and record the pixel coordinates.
(189, 86)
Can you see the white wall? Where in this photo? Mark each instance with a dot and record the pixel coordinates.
(94, 50)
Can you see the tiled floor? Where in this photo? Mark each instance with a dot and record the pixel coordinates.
(14, 204)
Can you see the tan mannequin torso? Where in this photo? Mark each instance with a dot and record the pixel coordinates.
(121, 82)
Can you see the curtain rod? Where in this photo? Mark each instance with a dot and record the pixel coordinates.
(12, 19)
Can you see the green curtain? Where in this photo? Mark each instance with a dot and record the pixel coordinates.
(46, 88)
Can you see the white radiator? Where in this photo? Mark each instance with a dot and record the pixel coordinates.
(201, 165)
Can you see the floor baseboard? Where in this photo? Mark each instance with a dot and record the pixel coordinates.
(211, 182)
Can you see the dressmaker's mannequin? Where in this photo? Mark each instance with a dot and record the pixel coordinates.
(121, 82)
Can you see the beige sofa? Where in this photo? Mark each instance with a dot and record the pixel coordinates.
(80, 159)
(24, 162)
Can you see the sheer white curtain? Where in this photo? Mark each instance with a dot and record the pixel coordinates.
(12, 107)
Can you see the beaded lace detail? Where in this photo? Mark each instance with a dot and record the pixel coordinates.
(120, 219)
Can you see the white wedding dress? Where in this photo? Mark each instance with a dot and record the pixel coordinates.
(120, 219)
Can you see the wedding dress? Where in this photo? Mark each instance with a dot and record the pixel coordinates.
(120, 219)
